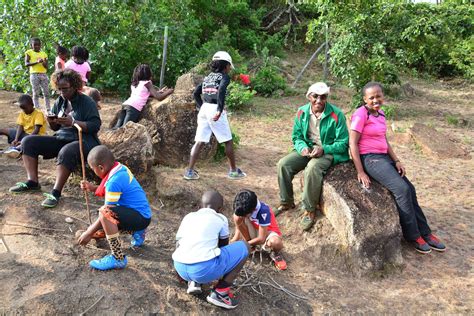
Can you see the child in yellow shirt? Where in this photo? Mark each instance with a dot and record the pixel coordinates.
(37, 61)
(30, 121)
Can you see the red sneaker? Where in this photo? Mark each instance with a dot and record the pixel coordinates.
(278, 261)
(421, 245)
(434, 243)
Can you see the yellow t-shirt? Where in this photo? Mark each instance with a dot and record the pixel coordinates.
(28, 121)
(34, 56)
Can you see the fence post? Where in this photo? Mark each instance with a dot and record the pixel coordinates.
(163, 63)
(326, 54)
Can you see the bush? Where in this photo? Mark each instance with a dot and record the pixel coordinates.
(376, 40)
(268, 80)
(462, 57)
(238, 96)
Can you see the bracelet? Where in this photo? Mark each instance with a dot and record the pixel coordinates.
(396, 161)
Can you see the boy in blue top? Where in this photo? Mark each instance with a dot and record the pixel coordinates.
(126, 207)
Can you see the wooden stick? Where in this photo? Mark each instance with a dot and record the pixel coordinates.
(83, 164)
(92, 306)
(33, 227)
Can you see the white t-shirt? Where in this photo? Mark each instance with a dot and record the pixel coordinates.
(198, 236)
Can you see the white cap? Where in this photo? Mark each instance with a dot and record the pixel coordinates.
(221, 55)
(318, 88)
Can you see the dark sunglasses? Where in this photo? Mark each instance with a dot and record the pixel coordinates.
(320, 96)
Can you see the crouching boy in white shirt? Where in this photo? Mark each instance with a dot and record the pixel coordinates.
(203, 252)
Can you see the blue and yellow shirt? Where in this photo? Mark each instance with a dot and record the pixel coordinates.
(123, 189)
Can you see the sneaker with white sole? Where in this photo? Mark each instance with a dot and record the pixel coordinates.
(194, 288)
(222, 299)
(13, 152)
(236, 174)
(191, 174)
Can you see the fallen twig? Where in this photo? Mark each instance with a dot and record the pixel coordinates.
(92, 306)
(287, 291)
(2, 241)
(33, 227)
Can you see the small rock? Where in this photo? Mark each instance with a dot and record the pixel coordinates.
(69, 220)
(2, 213)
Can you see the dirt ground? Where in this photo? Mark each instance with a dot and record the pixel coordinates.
(44, 272)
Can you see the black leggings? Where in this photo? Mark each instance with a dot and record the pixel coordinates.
(67, 153)
(128, 113)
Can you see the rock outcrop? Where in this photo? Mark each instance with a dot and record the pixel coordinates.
(366, 221)
(132, 146)
(435, 143)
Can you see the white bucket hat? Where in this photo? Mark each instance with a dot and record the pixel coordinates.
(221, 55)
(318, 88)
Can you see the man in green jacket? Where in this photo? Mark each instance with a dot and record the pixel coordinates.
(320, 140)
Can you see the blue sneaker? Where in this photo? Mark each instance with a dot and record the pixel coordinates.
(191, 174)
(138, 238)
(108, 263)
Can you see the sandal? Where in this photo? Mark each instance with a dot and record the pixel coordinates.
(22, 187)
(50, 201)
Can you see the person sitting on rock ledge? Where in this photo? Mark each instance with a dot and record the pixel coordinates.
(70, 109)
(320, 140)
(142, 88)
(373, 156)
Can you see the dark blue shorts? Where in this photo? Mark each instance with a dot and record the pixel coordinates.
(214, 269)
(12, 134)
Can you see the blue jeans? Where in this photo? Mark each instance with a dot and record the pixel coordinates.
(381, 168)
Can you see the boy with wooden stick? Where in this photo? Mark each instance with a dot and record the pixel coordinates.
(126, 207)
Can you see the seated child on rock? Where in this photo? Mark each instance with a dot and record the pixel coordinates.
(142, 88)
(126, 207)
(203, 253)
(30, 121)
(256, 223)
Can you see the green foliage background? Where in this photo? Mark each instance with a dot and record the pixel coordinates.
(121, 34)
(370, 40)
(378, 40)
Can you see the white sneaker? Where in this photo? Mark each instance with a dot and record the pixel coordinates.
(12, 152)
(194, 288)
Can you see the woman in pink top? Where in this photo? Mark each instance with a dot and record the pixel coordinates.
(79, 63)
(373, 156)
(142, 88)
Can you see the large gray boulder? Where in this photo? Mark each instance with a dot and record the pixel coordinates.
(366, 222)
(132, 146)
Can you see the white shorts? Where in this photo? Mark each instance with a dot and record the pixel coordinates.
(206, 126)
